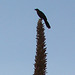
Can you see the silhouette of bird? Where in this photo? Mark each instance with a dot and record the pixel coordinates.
(42, 16)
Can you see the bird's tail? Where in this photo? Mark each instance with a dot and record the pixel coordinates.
(47, 24)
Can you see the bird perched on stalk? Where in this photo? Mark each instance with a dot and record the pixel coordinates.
(42, 16)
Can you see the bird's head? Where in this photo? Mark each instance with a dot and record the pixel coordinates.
(36, 9)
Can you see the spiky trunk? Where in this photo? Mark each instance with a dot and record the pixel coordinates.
(40, 58)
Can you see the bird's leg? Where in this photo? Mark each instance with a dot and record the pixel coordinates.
(40, 20)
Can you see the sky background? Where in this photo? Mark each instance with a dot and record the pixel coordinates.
(18, 21)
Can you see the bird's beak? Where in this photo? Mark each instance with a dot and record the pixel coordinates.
(35, 9)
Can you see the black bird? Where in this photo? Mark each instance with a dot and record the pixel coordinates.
(42, 16)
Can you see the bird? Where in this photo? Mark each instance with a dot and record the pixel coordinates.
(42, 16)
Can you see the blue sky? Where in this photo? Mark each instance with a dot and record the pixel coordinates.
(18, 22)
